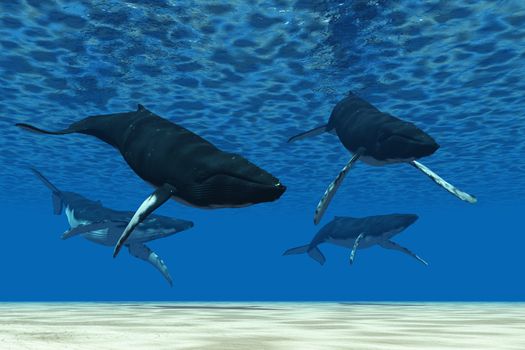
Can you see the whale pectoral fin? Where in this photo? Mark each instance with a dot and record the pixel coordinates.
(314, 132)
(393, 245)
(142, 252)
(441, 182)
(332, 188)
(80, 229)
(155, 200)
(354, 248)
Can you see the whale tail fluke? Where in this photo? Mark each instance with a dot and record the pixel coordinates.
(314, 132)
(55, 195)
(314, 252)
(100, 126)
(34, 129)
(297, 250)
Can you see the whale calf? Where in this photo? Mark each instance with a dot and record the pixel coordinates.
(376, 138)
(359, 233)
(178, 163)
(103, 226)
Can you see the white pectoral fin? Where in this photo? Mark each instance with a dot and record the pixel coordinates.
(354, 248)
(143, 252)
(441, 182)
(155, 200)
(80, 229)
(393, 245)
(332, 189)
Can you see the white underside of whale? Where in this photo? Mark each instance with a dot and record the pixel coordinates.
(365, 242)
(376, 162)
(74, 222)
(211, 206)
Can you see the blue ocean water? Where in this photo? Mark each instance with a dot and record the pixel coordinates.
(247, 75)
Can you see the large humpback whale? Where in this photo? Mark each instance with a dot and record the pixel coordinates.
(359, 233)
(376, 138)
(103, 225)
(178, 163)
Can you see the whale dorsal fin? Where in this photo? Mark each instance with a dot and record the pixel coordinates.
(140, 108)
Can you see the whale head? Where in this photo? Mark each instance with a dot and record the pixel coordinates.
(232, 181)
(395, 223)
(403, 141)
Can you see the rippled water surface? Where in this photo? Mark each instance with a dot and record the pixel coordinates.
(249, 74)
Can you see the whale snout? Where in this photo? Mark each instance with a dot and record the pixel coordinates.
(424, 144)
(260, 192)
(410, 219)
(187, 225)
(280, 187)
(278, 190)
(405, 141)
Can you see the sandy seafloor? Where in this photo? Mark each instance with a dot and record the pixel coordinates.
(391, 326)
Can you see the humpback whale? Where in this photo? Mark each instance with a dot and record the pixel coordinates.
(103, 225)
(376, 138)
(178, 163)
(359, 233)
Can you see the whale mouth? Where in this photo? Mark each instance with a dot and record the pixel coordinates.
(401, 145)
(416, 140)
(234, 190)
(246, 179)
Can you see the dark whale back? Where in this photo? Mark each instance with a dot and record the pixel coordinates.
(361, 126)
(110, 128)
(139, 134)
(357, 123)
(162, 152)
(342, 227)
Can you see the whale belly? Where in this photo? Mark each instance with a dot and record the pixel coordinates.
(209, 206)
(366, 242)
(380, 162)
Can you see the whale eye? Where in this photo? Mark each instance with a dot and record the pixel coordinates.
(200, 175)
(383, 134)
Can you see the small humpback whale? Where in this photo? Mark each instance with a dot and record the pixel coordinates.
(376, 138)
(178, 163)
(103, 225)
(359, 233)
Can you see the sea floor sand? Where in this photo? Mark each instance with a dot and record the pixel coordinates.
(252, 326)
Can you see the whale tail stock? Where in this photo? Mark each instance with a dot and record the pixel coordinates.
(110, 128)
